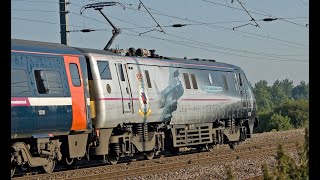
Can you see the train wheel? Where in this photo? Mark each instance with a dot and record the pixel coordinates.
(13, 167)
(233, 145)
(199, 148)
(69, 161)
(149, 155)
(174, 150)
(13, 170)
(209, 147)
(113, 160)
(50, 166)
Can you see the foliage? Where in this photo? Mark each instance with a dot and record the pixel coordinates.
(230, 175)
(281, 102)
(279, 122)
(286, 167)
(263, 96)
(296, 110)
(281, 91)
(301, 91)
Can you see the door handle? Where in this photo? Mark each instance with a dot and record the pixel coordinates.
(129, 105)
(127, 90)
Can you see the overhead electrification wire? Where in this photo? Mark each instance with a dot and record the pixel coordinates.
(264, 13)
(230, 29)
(33, 10)
(220, 4)
(46, 22)
(190, 40)
(197, 47)
(200, 43)
(35, 1)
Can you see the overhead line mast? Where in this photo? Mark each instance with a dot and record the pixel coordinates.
(64, 21)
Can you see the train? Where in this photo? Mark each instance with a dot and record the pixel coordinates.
(69, 103)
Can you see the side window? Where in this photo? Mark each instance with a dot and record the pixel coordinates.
(235, 81)
(148, 78)
(225, 82)
(121, 72)
(104, 70)
(240, 79)
(186, 80)
(75, 77)
(194, 81)
(19, 83)
(48, 82)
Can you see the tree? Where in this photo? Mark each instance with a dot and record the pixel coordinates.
(263, 96)
(279, 122)
(279, 92)
(287, 87)
(296, 110)
(301, 91)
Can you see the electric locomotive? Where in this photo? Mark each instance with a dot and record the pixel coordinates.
(70, 102)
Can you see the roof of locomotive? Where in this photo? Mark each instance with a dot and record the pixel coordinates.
(208, 64)
(42, 47)
(56, 48)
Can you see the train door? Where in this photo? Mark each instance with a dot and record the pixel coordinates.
(124, 88)
(75, 81)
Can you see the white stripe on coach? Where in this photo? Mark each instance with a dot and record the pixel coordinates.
(50, 101)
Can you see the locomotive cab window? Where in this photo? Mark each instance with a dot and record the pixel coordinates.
(19, 82)
(194, 81)
(48, 82)
(104, 70)
(148, 78)
(186, 80)
(75, 77)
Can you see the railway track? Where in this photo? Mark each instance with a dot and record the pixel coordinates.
(222, 154)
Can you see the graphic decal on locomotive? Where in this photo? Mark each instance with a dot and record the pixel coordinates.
(20, 102)
(170, 95)
(212, 89)
(144, 109)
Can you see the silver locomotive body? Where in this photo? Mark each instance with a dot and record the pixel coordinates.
(146, 104)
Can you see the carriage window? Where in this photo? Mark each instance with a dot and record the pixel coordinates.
(148, 79)
(19, 82)
(225, 82)
(48, 82)
(104, 70)
(186, 80)
(75, 77)
(121, 72)
(194, 81)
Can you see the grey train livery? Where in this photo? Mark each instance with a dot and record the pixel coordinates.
(69, 103)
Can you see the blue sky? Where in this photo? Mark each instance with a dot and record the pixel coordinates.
(277, 50)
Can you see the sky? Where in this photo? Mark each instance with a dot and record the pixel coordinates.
(229, 32)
